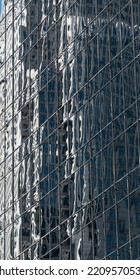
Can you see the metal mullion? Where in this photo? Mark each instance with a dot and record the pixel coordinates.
(122, 77)
(57, 101)
(13, 191)
(5, 145)
(111, 89)
(21, 237)
(31, 152)
(99, 94)
(84, 106)
(128, 190)
(90, 147)
(38, 185)
(47, 138)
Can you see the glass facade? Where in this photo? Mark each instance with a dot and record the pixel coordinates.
(69, 129)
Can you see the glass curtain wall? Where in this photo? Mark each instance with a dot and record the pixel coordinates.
(69, 129)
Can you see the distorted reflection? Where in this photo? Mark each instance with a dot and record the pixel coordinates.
(68, 133)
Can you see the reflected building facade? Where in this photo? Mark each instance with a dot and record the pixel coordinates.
(69, 129)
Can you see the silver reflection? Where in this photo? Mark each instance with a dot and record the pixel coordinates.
(69, 135)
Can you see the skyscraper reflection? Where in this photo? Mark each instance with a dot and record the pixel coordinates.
(69, 125)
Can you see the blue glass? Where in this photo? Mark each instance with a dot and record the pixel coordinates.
(69, 129)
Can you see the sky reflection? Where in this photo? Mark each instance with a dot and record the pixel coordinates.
(0, 5)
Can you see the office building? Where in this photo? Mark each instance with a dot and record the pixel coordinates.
(69, 129)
